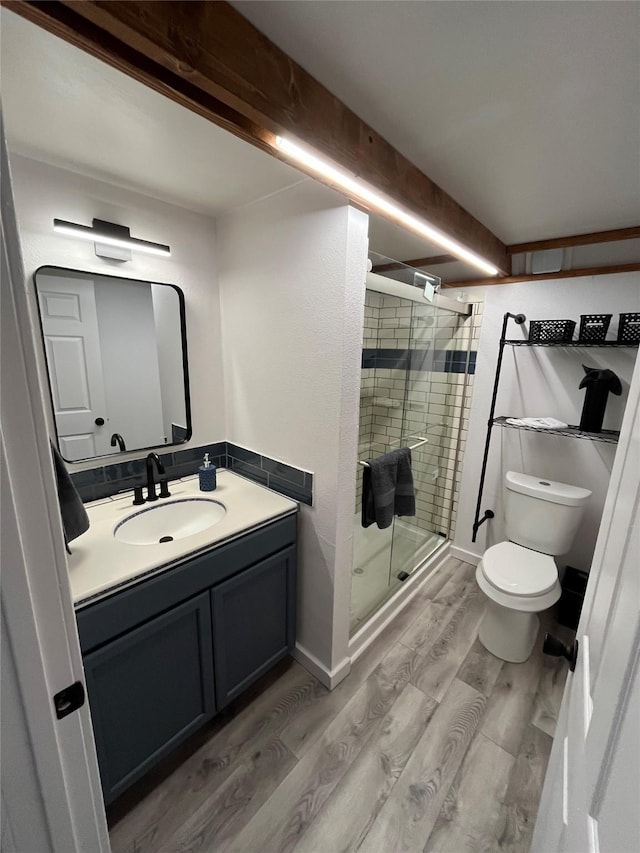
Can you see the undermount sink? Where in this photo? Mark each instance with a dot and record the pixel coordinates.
(165, 522)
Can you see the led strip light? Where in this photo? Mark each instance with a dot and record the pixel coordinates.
(358, 190)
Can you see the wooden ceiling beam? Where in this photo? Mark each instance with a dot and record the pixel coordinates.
(207, 57)
(545, 276)
(578, 240)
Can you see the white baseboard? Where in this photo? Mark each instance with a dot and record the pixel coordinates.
(379, 621)
(465, 556)
(330, 678)
(390, 609)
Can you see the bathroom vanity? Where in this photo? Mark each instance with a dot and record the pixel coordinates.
(171, 632)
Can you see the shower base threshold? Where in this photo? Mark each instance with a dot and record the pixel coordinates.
(378, 621)
(383, 559)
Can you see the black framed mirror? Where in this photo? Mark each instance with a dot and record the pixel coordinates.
(116, 353)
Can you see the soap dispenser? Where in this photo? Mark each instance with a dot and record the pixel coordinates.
(207, 475)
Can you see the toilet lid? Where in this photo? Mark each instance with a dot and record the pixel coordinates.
(519, 571)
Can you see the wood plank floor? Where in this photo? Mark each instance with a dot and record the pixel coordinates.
(430, 744)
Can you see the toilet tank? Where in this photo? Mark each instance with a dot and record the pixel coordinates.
(541, 514)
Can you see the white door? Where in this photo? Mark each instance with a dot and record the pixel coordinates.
(72, 343)
(591, 797)
(51, 797)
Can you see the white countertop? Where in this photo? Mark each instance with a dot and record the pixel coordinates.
(99, 563)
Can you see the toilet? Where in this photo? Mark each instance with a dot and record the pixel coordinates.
(520, 577)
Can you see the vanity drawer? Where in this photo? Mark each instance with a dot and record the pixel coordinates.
(108, 618)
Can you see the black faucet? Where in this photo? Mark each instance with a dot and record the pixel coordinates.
(116, 438)
(151, 485)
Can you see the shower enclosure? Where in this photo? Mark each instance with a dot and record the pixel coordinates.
(415, 361)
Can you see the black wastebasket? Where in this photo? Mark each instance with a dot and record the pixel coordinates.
(574, 585)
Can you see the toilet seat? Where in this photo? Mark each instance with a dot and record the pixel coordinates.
(515, 570)
(518, 578)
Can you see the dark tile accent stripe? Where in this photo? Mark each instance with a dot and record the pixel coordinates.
(283, 478)
(296, 493)
(251, 472)
(438, 361)
(243, 455)
(179, 434)
(285, 472)
(107, 480)
(369, 357)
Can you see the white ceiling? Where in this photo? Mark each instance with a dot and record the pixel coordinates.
(69, 109)
(526, 112)
(64, 107)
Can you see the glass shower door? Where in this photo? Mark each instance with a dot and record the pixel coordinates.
(431, 427)
(411, 395)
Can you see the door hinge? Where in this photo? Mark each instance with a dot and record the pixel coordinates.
(69, 700)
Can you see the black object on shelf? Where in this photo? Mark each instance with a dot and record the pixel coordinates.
(593, 327)
(599, 384)
(629, 328)
(573, 585)
(608, 436)
(551, 330)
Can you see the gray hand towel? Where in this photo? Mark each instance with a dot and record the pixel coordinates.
(387, 488)
(74, 516)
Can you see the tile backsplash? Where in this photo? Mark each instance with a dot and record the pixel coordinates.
(108, 480)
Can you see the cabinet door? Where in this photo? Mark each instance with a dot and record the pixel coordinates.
(253, 623)
(148, 690)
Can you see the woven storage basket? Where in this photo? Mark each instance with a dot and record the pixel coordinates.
(551, 331)
(629, 328)
(593, 327)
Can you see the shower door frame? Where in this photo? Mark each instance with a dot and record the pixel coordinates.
(398, 597)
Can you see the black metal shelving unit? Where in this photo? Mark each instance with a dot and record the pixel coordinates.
(565, 344)
(606, 436)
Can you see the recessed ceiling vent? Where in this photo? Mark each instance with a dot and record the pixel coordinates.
(546, 260)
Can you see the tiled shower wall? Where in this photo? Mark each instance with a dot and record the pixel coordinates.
(401, 405)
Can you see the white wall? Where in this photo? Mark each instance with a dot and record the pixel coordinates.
(292, 280)
(539, 381)
(43, 192)
(130, 362)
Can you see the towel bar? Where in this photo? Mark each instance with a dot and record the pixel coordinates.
(411, 447)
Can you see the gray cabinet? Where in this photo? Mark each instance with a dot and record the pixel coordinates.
(150, 689)
(163, 656)
(251, 631)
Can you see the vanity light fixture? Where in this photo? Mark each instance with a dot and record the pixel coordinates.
(360, 191)
(108, 234)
